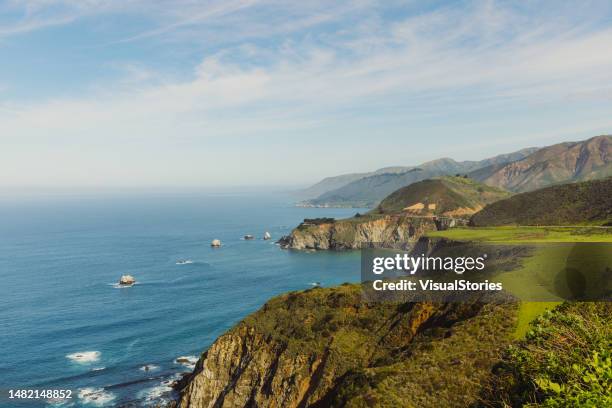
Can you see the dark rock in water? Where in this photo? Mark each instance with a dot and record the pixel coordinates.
(183, 360)
(248, 237)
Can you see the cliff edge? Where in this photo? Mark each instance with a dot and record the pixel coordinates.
(326, 347)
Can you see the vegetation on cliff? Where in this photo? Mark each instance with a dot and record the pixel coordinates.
(564, 361)
(327, 347)
(587, 202)
(453, 196)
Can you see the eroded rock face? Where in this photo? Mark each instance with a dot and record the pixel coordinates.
(325, 347)
(353, 233)
(243, 369)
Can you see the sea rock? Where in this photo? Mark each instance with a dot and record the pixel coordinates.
(183, 360)
(248, 237)
(267, 235)
(127, 280)
(215, 243)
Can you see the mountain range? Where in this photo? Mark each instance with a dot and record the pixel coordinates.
(523, 170)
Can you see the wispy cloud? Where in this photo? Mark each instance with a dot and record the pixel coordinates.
(414, 71)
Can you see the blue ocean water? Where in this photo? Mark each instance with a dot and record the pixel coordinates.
(65, 324)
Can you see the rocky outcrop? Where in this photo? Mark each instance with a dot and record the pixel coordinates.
(327, 347)
(127, 280)
(391, 230)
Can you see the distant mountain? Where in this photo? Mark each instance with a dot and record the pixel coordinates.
(336, 182)
(328, 184)
(588, 202)
(561, 163)
(369, 190)
(450, 196)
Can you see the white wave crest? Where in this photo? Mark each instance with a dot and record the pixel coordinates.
(84, 357)
(96, 396)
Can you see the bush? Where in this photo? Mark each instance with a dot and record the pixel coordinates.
(565, 361)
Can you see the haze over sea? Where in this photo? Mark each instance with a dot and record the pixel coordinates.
(65, 324)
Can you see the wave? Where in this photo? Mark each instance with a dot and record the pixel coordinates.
(160, 393)
(120, 286)
(84, 357)
(98, 368)
(184, 262)
(149, 367)
(96, 396)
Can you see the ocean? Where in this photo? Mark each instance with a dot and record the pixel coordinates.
(65, 324)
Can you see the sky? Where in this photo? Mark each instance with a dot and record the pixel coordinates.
(186, 93)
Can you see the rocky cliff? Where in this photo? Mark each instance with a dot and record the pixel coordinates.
(326, 347)
(352, 233)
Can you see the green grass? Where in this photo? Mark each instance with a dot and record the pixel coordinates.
(544, 263)
(525, 234)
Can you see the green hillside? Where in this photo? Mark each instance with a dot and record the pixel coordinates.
(569, 204)
(370, 190)
(450, 195)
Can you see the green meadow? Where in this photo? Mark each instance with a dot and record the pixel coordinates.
(538, 275)
(526, 234)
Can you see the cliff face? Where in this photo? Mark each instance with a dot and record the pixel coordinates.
(326, 347)
(352, 233)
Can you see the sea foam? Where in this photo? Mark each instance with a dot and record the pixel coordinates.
(84, 356)
(96, 396)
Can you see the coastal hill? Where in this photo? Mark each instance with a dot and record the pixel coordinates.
(445, 196)
(402, 217)
(370, 190)
(587, 202)
(561, 163)
(521, 171)
(326, 347)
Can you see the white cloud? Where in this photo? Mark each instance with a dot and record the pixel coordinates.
(415, 70)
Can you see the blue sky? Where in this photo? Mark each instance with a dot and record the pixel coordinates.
(122, 93)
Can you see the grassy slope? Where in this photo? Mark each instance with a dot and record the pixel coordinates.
(514, 280)
(526, 234)
(588, 203)
(449, 193)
